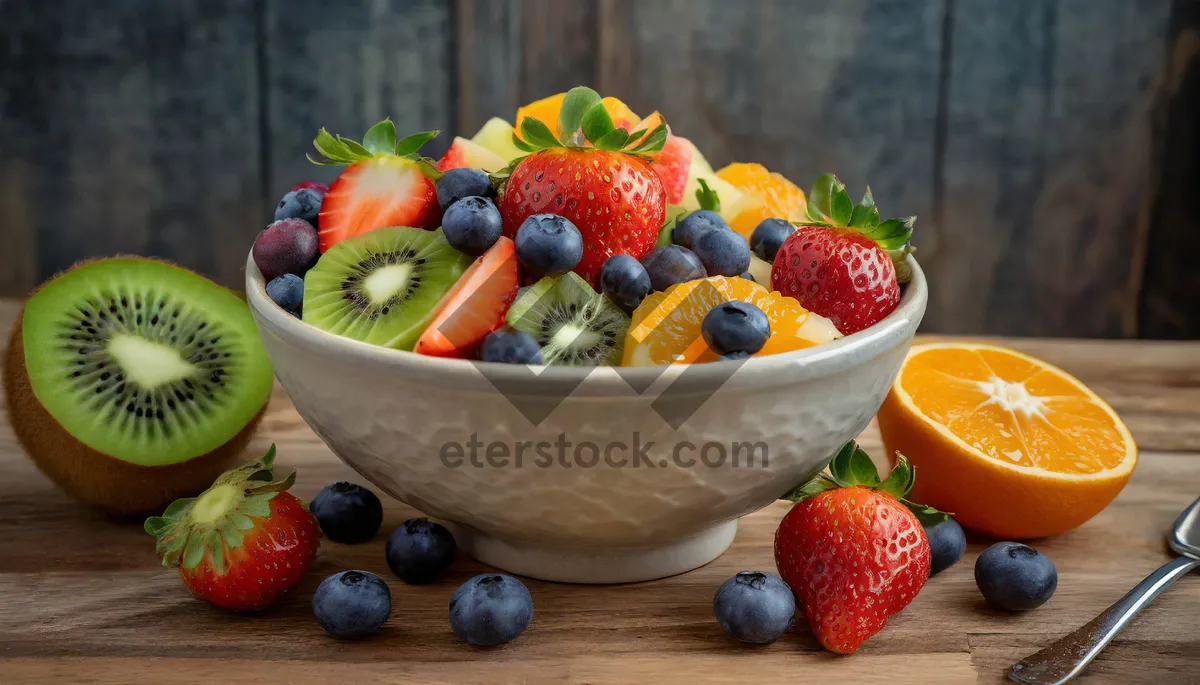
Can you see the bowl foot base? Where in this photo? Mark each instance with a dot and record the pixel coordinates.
(596, 565)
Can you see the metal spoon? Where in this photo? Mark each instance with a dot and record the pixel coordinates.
(1067, 658)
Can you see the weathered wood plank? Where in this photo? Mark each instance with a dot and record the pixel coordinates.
(128, 127)
(802, 87)
(1170, 297)
(345, 66)
(512, 52)
(1047, 166)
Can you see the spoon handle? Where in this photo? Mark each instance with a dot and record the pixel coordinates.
(1067, 657)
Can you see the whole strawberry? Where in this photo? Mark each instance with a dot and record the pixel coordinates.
(844, 263)
(593, 173)
(243, 542)
(853, 550)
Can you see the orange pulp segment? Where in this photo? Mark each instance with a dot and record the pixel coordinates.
(778, 197)
(666, 326)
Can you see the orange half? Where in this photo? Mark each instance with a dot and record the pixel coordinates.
(1011, 445)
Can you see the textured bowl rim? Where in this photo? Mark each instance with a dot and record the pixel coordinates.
(788, 367)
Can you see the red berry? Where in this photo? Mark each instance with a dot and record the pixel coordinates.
(615, 200)
(854, 553)
(838, 273)
(243, 542)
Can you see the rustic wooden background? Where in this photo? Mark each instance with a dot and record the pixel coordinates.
(1049, 146)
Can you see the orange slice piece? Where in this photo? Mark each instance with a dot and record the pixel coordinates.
(778, 197)
(666, 326)
(546, 110)
(1013, 446)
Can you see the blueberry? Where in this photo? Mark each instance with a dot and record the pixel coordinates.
(735, 327)
(754, 607)
(723, 253)
(670, 265)
(290, 246)
(300, 204)
(549, 244)
(736, 355)
(508, 346)
(748, 276)
(490, 609)
(767, 236)
(287, 291)
(352, 604)
(347, 512)
(419, 551)
(696, 224)
(1015, 577)
(472, 225)
(457, 184)
(946, 544)
(625, 281)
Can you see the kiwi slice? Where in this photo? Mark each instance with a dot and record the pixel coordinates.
(123, 369)
(575, 325)
(382, 286)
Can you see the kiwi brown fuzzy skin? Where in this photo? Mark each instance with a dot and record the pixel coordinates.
(118, 487)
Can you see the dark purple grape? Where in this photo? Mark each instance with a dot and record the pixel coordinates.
(289, 246)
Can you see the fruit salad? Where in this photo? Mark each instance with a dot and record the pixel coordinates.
(583, 236)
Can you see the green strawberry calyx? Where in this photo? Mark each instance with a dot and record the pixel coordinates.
(208, 526)
(584, 123)
(830, 205)
(852, 466)
(379, 140)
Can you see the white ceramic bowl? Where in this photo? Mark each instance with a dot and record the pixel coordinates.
(405, 422)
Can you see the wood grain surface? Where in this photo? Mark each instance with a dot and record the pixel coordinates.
(1048, 147)
(83, 599)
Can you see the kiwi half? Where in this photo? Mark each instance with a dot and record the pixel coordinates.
(382, 286)
(575, 325)
(132, 382)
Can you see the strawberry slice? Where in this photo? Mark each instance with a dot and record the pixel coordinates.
(475, 306)
(386, 184)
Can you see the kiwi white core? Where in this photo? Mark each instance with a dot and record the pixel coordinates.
(575, 337)
(149, 364)
(387, 282)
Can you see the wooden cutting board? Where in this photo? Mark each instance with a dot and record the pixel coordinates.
(83, 599)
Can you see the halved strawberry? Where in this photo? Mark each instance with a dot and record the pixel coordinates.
(475, 306)
(386, 184)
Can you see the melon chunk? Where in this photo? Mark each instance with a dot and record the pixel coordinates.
(496, 135)
(466, 154)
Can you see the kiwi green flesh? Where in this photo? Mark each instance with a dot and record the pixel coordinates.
(144, 361)
(575, 325)
(382, 287)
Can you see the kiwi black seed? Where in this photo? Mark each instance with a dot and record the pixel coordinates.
(382, 286)
(575, 325)
(132, 382)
